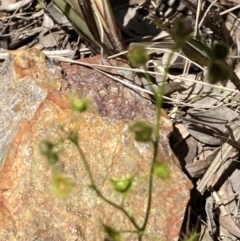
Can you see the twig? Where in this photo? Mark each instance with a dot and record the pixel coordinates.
(15, 6)
(230, 10)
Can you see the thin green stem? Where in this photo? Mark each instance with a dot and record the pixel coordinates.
(159, 101)
(93, 185)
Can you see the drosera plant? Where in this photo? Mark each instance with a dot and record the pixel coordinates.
(143, 132)
(62, 185)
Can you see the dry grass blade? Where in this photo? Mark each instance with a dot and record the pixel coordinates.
(220, 159)
(88, 15)
(198, 52)
(73, 13)
(93, 20)
(111, 27)
(213, 21)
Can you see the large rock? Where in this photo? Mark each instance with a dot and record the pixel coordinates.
(28, 209)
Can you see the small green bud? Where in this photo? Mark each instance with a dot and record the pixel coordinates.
(142, 131)
(220, 51)
(218, 72)
(182, 29)
(52, 158)
(61, 185)
(45, 147)
(48, 149)
(138, 56)
(123, 185)
(111, 233)
(73, 137)
(161, 171)
(79, 105)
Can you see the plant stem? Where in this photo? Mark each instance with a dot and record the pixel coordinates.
(159, 101)
(93, 185)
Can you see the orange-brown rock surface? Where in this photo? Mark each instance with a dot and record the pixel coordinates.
(28, 209)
